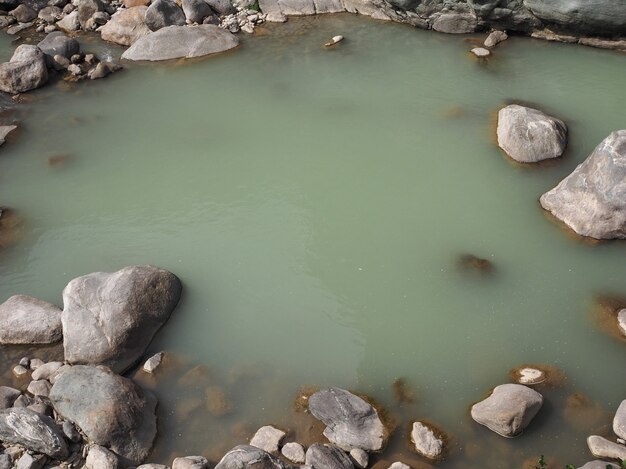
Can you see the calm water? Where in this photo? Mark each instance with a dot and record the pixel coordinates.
(314, 202)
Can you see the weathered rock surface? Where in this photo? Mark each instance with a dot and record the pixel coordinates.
(294, 452)
(456, 23)
(621, 321)
(327, 457)
(152, 363)
(126, 26)
(426, 441)
(28, 320)
(99, 457)
(30, 461)
(350, 421)
(360, 458)
(602, 448)
(222, 7)
(110, 318)
(592, 200)
(25, 71)
(196, 10)
(33, 431)
(268, 439)
(86, 9)
(50, 14)
(250, 457)
(399, 465)
(528, 135)
(508, 410)
(175, 42)
(112, 411)
(46, 371)
(39, 387)
(162, 13)
(190, 462)
(619, 421)
(8, 396)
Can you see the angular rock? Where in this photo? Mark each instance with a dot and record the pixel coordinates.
(50, 14)
(399, 465)
(495, 38)
(41, 408)
(268, 439)
(47, 370)
(33, 431)
(36, 363)
(603, 448)
(528, 135)
(39, 388)
(249, 457)
(19, 371)
(69, 23)
(456, 23)
(164, 13)
(592, 200)
(426, 441)
(126, 26)
(175, 42)
(24, 319)
(57, 43)
(190, 462)
(24, 14)
(327, 457)
(350, 421)
(70, 431)
(99, 457)
(294, 452)
(196, 10)
(8, 396)
(102, 70)
(110, 410)
(153, 362)
(359, 457)
(30, 461)
(508, 410)
(111, 318)
(18, 28)
(5, 461)
(86, 9)
(4, 131)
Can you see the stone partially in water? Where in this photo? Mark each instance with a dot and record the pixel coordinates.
(592, 200)
(327, 457)
(25, 71)
(495, 38)
(57, 43)
(619, 421)
(190, 462)
(153, 362)
(360, 458)
(531, 376)
(126, 26)
(427, 441)
(249, 457)
(480, 52)
(268, 439)
(33, 431)
(621, 321)
(602, 448)
(28, 320)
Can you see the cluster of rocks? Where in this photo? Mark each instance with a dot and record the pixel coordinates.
(601, 447)
(493, 39)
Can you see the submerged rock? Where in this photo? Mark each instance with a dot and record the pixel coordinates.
(427, 440)
(164, 13)
(268, 438)
(25, 71)
(327, 457)
(350, 421)
(28, 320)
(126, 26)
(111, 318)
(110, 410)
(175, 42)
(33, 431)
(508, 410)
(249, 457)
(592, 200)
(528, 135)
(602, 448)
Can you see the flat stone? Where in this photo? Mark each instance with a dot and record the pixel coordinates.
(19, 371)
(24, 319)
(18, 28)
(426, 441)
(530, 376)
(327, 457)
(602, 448)
(268, 439)
(153, 362)
(597, 464)
(33, 431)
(294, 452)
(480, 52)
(99, 457)
(152, 466)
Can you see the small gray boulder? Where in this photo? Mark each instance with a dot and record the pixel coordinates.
(249, 457)
(126, 26)
(327, 457)
(162, 13)
(602, 448)
(619, 421)
(196, 10)
(28, 320)
(33, 431)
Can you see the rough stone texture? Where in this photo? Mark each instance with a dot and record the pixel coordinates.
(112, 411)
(8, 396)
(153, 362)
(86, 9)
(33, 431)
(495, 38)
(69, 23)
(102, 70)
(350, 421)
(47, 370)
(126, 26)
(4, 131)
(175, 42)
(530, 376)
(456, 23)
(99, 457)
(619, 421)
(250, 457)
(164, 13)
(268, 439)
(222, 7)
(24, 319)
(19, 371)
(110, 318)
(426, 442)
(196, 10)
(39, 388)
(359, 457)
(30, 461)
(190, 462)
(480, 52)
(57, 43)
(152, 466)
(597, 464)
(508, 410)
(528, 135)
(603, 448)
(50, 14)
(70, 431)
(36, 363)
(327, 457)
(294, 452)
(592, 200)
(24, 14)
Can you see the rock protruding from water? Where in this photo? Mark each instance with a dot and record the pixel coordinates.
(162, 13)
(110, 410)
(28, 320)
(619, 421)
(33, 431)
(350, 421)
(126, 26)
(592, 200)
(249, 457)
(268, 439)
(495, 38)
(5, 130)
(111, 318)
(602, 448)
(327, 457)
(508, 410)
(176, 42)
(57, 43)
(528, 135)
(427, 440)
(25, 71)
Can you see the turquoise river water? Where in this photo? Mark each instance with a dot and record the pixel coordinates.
(315, 203)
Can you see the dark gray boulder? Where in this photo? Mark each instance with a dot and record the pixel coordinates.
(33, 431)
(350, 421)
(249, 457)
(57, 43)
(327, 457)
(162, 13)
(592, 200)
(196, 10)
(24, 13)
(222, 7)
(600, 17)
(112, 411)
(8, 396)
(111, 318)
(508, 410)
(28, 320)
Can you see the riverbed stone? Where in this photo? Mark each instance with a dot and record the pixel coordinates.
(190, 462)
(30, 461)
(57, 43)
(495, 38)
(152, 363)
(350, 421)
(250, 457)
(126, 26)
(111, 318)
(528, 135)
(153, 466)
(4, 131)
(8, 396)
(102, 70)
(619, 421)
(175, 42)
(40, 387)
(24, 14)
(360, 458)
(294, 452)
(602, 448)
(480, 52)
(24, 319)
(98, 457)
(268, 439)
(111, 411)
(196, 10)
(327, 457)
(69, 23)
(36, 363)
(426, 441)
(46, 370)
(162, 13)
(621, 321)
(592, 199)
(597, 464)
(399, 465)
(33, 431)
(19, 371)
(508, 410)
(86, 9)
(24, 72)
(50, 14)
(70, 431)
(222, 7)
(456, 23)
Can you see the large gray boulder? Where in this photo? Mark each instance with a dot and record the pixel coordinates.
(175, 42)
(508, 410)
(23, 13)
(222, 7)
(327, 457)
(111, 410)
(619, 421)
(196, 10)
(162, 13)
(111, 318)
(33, 431)
(350, 421)
(528, 135)
(126, 26)
(27, 320)
(249, 457)
(25, 71)
(592, 200)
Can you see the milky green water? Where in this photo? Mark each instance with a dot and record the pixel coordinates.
(314, 203)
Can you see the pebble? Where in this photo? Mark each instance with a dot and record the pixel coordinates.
(334, 40)
(19, 371)
(480, 52)
(25, 361)
(36, 363)
(153, 362)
